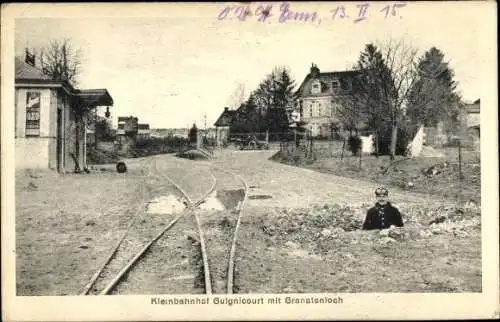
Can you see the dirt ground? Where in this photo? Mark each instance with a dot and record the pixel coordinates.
(404, 174)
(294, 218)
(173, 265)
(320, 256)
(65, 225)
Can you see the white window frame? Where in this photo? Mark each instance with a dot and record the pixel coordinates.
(33, 113)
(316, 87)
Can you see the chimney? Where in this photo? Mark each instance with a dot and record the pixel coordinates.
(29, 58)
(226, 109)
(314, 71)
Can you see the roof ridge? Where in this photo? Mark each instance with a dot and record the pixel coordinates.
(26, 71)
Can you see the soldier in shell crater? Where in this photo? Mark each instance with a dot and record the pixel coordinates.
(383, 215)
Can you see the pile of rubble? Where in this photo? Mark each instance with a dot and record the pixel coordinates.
(459, 221)
(447, 168)
(435, 169)
(324, 225)
(311, 225)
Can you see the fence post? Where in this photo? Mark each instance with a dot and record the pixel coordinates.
(360, 154)
(311, 147)
(330, 143)
(460, 160)
(343, 147)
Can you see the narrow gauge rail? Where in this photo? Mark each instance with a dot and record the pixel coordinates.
(111, 284)
(191, 205)
(232, 254)
(221, 229)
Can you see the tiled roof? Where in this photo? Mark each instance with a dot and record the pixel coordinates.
(125, 118)
(26, 71)
(327, 78)
(225, 118)
(89, 97)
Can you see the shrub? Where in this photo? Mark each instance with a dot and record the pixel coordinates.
(152, 146)
(354, 144)
(193, 134)
(405, 135)
(451, 143)
(321, 137)
(95, 156)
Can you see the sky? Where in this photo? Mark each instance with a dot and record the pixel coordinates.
(172, 69)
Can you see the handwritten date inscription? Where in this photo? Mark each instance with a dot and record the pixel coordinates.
(285, 13)
(264, 12)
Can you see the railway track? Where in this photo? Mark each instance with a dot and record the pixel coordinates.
(172, 255)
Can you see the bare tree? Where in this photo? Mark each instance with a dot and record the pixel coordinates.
(401, 61)
(238, 96)
(61, 61)
(380, 91)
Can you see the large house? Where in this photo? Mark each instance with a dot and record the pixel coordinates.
(51, 119)
(316, 98)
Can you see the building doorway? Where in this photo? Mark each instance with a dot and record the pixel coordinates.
(59, 141)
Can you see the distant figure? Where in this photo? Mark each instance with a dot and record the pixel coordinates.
(383, 214)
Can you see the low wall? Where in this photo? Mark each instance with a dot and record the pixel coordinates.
(106, 146)
(34, 153)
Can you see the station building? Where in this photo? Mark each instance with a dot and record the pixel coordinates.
(51, 119)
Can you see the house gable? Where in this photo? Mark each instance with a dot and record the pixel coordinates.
(225, 118)
(328, 83)
(26, 71)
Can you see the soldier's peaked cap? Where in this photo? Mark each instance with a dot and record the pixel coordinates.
(379, 192)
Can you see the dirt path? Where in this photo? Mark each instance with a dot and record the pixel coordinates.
(298, 187)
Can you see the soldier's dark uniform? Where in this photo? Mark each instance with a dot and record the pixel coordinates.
(382, 216)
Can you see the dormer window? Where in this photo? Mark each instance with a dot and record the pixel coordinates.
(316, 87)
(346, 85)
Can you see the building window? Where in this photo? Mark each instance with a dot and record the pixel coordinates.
(345, 85)
(335, 108)
(33, 114)
(316, 87)
(335, 85)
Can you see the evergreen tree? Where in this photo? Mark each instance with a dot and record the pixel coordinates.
(273, 96)
(284, 90)
(265, 94)
(193, 134)
(432, 98)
